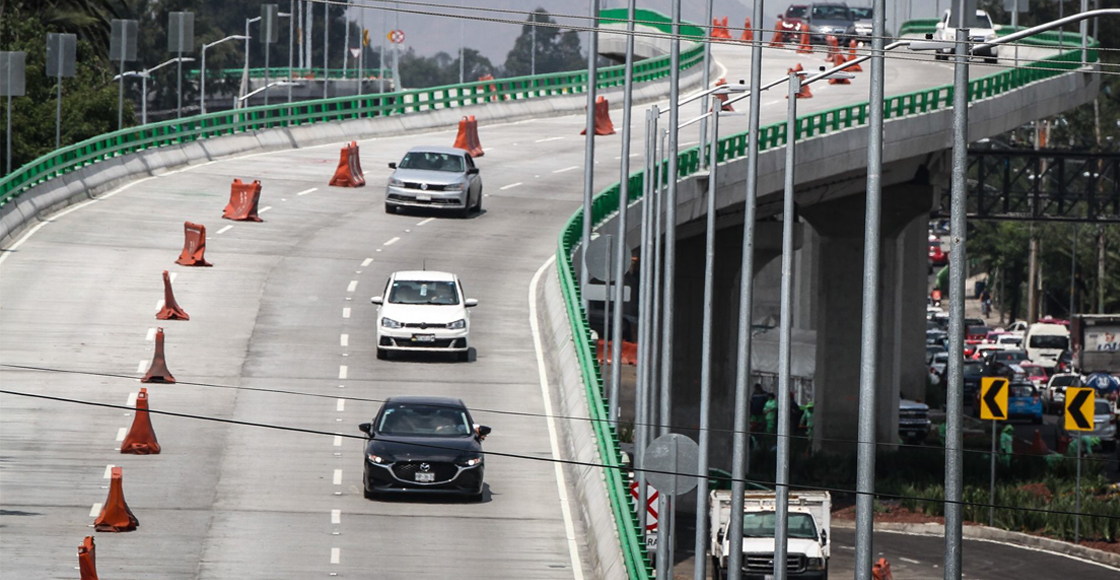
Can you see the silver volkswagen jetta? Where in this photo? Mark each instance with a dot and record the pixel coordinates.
(436, 177)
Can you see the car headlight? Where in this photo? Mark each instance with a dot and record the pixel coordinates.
(389, 323)
(376, 459)
(473, 461)
(990, 37)
(394, 182)
(816, 563)
(458, 324)
(462, 186)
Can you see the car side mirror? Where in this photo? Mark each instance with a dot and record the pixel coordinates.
(472, 171)
(366, 428)
(824, 537)
(392, 165)
(781, 17)
(470, 302)
(377, 300)
(483, 430)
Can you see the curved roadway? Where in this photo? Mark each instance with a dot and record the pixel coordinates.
(286, 306)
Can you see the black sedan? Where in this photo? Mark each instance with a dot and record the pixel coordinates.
(424, 445)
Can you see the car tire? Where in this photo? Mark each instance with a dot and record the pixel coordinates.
(465, 211)
(478, 204)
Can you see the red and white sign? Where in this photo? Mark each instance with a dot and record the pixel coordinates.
(651, 504)
(396, 36)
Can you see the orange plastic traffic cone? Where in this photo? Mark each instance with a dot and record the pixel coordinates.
(141, 438)
(171, 309)
(157, 372)
(852, 56)
(115, 515)
(804, 47)
(839, 81)
(748, 33)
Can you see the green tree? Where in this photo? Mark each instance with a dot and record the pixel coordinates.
(556, 50)
(441, 69)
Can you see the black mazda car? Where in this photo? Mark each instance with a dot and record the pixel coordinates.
(424, 445)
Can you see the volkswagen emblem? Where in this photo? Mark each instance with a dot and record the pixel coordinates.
(424, 186)
(425, 467)
(423, 325)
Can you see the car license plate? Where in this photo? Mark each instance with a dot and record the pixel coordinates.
(424, 337)
(423, 197)
(422, 477)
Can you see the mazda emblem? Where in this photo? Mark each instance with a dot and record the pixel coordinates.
(425, 467)
(424, 186)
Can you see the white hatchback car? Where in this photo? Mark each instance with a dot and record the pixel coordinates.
(423, 311)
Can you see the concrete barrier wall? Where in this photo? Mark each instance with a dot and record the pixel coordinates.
(577, 443)
(38, 203)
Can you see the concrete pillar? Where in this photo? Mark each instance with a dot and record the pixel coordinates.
(838, 299)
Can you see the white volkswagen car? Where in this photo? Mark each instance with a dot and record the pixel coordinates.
(423, 311)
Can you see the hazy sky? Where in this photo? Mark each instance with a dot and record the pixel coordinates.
(429, 33)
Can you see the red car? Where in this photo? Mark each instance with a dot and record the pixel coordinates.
(937, 256)
(793, 22)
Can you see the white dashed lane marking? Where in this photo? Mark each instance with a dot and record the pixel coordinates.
(344, 339)
(264, 209)
(121, 433)
(338, 440)
(352, 286)
(391, 242)
(132, 399)
(342, 371)
(336, 516)
(546, 140)
(341, 405)
(566, 169)
(142, 367)
(346, 313)
(108, 471)
(336, 555)
(307, 191)
(429, 220)
(95, 510)
(151, 335)
(369, 261)
(510, 186)
(226, 229)
(338, 477)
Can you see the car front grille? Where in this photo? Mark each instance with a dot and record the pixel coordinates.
(764, 563)
(437, 343)
(423, 325)
(433, 201)
(407, 470)
(430, 186)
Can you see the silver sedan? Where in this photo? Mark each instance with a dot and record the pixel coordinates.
(435, 177)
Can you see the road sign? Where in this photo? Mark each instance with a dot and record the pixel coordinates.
(61, 52)
(270, 23)
(672, 461)
(180, 32)
(396, 36)
(1079, 408)
(122, 40)
(598, 261)
(651, 504)
(365, 37)
(993, 399)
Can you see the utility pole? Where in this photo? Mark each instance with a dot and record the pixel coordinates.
(1032, 284)
(1100, 269)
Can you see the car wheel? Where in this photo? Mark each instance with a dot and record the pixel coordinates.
(465, 211)
(478, 204)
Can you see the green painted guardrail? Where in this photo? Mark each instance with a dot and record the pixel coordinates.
(605, 204)
(194, 128)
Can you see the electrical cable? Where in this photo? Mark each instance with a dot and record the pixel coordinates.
(674, 428)
(542, 459)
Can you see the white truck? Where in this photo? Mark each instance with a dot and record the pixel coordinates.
(810, 515)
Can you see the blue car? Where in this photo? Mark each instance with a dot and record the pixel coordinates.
(1024, 401)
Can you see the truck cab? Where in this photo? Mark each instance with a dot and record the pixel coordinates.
(808, 528)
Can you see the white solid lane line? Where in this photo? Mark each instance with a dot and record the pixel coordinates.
(429, 220)
(566, 169)
(151, 335)
(264, 209)
(341, 405)
(109, 471)
(547, 139)
(131, 400)
(225, 229)
(95, 510)
(338, 477)
(121, 433)
(510, 186)
(336, 555)
(346, 313)
(542, 373)
(344, 339)
(307, 191)
(391, 242)
(368, 261)
(342, 371)
(338, 440)
(336, 516)
(352, 286)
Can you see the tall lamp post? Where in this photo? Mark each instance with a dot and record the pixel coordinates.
(202, 71)
(144, 75)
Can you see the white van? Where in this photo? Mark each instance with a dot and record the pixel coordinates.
(1045, 342)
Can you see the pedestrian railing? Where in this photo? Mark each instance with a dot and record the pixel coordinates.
(605, 204)
(197, 127)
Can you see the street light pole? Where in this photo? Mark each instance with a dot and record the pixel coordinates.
(202, 72)
(291, 43)
(248, 21)
(589, 148)
(706, 80)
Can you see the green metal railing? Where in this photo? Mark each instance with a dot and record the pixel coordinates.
(167, 133)
(605, 204)
(278, 72)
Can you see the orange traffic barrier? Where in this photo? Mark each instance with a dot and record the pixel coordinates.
(243, 201)
(467, 137)
(748, 33)
(87, 564)
(171, 309)
(629, 352)
(804, 93)
(115, 515)
(194, 246)
(157, 372)
(881, 570)
(804, 47)
(603, 125)
(461, 138)
(723, 98)
(493, 88)
(852, 56)
(349, 171)
(141, 438)
(835, 80)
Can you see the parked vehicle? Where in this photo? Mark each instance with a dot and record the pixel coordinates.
(435, 177)
(810, 518)
(939, 363)
(981, 30)
(1095, 342)
(1045, 343)
(1018, 327)
(913, 421)
(976, 334)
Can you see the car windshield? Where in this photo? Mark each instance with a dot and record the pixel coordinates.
(1102, 408)
(761, 525)
(978, 330)
(1011, 355)
(861, 13)
(831, 13)
(1005, 339)
(423, 292)
(1020, 391)
(413, 420)
(1049, 341)
(1064, 381)
(973, 369)
(431, 161)
(796, 11)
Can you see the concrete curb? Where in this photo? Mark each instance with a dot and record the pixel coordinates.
(603, 547)
(44, 199)
(984, 533)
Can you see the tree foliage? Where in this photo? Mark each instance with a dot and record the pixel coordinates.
(557, 50)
